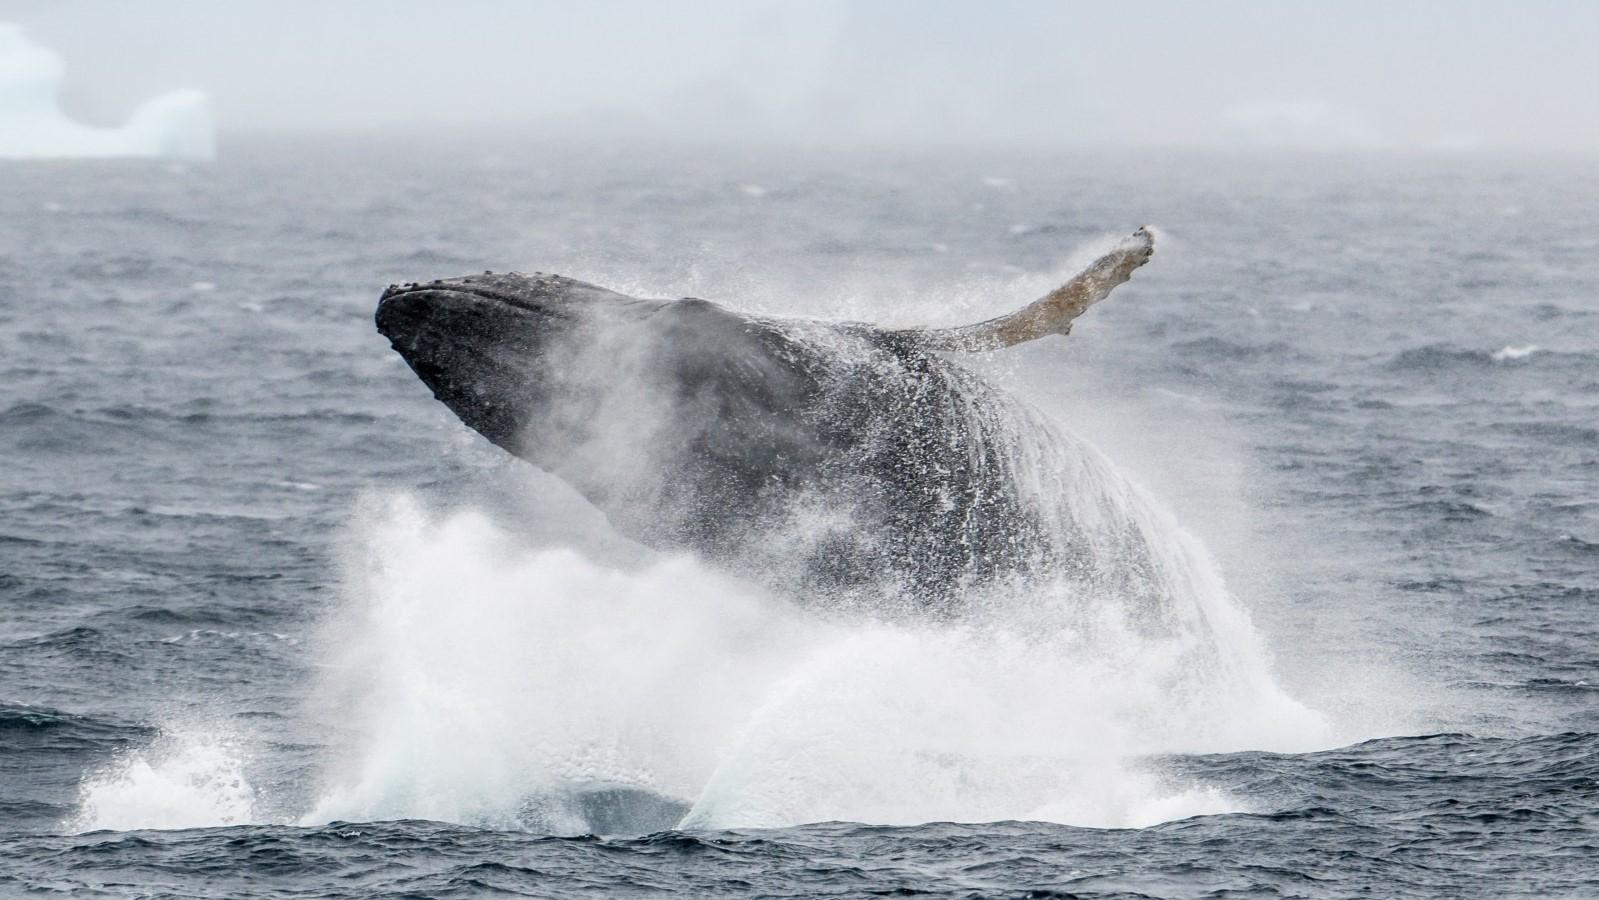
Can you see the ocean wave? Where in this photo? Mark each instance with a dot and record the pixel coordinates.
(1538, 686)
(1216, 348)
(1450, 357)
(1512, 352)
(1439, 357)
(79, 638)
(1447, 510)
(47, 429)
(21, 722)
(1585, 436)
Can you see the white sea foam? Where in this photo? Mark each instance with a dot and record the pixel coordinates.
(186, 779)
(1513, 352)
(485, 678)
(487, 682)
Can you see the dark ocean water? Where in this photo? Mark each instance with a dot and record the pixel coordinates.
(274, 623)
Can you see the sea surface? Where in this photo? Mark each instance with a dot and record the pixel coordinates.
(273, 623)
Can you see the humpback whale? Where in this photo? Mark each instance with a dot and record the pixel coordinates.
(831, 456)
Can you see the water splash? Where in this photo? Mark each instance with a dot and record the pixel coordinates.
(476, 677)
(495, 683)
(186, 779)
(489, 682)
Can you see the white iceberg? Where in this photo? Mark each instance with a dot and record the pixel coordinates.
(175, 125)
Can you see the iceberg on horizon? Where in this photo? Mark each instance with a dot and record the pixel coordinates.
(175, 125)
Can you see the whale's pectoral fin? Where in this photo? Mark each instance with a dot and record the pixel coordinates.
(1054, 313)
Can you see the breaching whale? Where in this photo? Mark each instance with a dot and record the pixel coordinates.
(818, 454)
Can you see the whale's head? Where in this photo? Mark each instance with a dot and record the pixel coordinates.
(498, 348)
(616, 394)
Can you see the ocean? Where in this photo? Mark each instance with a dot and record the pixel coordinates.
(274, 623)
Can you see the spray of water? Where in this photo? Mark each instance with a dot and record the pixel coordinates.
(481, 680)
(191, 777)
(495, 683)
(489, 682)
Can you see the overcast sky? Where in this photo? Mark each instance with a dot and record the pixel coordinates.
(1458, 75)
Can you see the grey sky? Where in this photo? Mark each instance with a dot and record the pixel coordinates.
(1459, 75)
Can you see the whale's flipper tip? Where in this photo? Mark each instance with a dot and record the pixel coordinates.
(1150, 236)
(1055, 312)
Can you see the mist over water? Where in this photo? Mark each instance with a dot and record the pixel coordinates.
(1238, 73)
